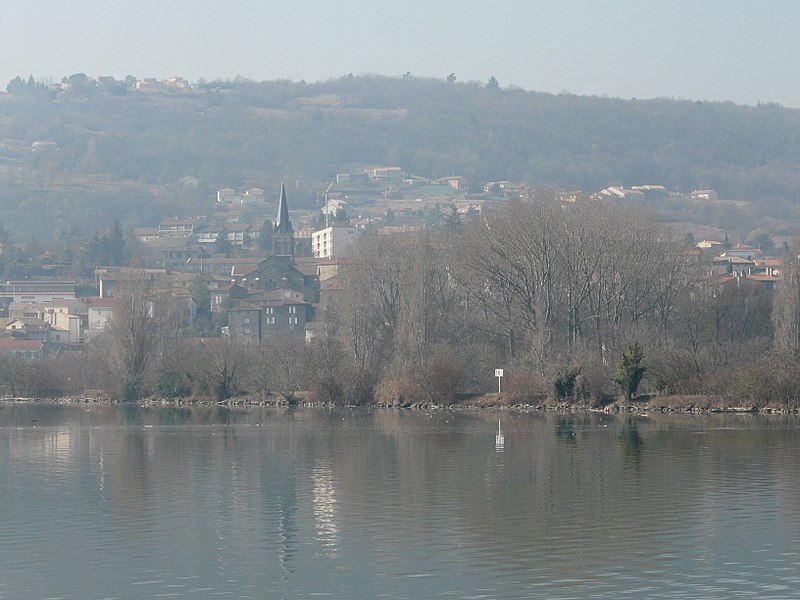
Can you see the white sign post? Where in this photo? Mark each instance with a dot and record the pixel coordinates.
(499, 374)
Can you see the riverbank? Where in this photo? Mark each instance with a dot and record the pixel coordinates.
(488, 402)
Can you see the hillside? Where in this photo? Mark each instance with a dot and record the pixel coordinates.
(138, 156)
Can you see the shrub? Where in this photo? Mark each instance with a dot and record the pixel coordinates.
(564, 384)
(525, 388)
(130, 389)
(441, 380)
(171, 385)
(395, 392)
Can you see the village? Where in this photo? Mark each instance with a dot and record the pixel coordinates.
(259, 277)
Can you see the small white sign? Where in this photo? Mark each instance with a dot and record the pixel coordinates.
(498, 372)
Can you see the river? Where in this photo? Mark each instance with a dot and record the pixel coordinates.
(115, 501)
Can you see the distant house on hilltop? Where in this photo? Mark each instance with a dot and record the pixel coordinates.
(385, 173)
(457, 182)
(704, 195)
(620, 193)
(249, 196)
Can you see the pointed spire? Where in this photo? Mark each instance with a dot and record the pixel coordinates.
(282, 222)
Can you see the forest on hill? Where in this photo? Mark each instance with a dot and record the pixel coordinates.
(148, 155)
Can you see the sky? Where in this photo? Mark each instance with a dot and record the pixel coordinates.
(744, 51)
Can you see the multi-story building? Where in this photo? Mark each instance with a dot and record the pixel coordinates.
(332, 242)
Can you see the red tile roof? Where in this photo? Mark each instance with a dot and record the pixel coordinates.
(14, 344)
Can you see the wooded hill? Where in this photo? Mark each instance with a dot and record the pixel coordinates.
(139, 156)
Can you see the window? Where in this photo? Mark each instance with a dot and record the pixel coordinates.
(246, 331)
(292, 310)
(268, 310)
(247, 320)
(292, 320)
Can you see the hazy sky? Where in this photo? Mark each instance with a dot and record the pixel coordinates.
(740, 50)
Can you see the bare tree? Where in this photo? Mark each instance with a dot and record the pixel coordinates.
(219, 367)
(786, 314)
(133, 335)
(282, 365)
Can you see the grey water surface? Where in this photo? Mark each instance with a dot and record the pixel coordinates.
(115, 501)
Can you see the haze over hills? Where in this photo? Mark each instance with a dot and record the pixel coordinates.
(108, 150)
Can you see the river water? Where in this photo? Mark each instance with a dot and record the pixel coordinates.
(112, 501)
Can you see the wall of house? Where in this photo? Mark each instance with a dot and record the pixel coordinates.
(245, 325)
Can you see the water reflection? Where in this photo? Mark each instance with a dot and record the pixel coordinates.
(565, 430)
(630, 444)
(273, 503)
(324, 500)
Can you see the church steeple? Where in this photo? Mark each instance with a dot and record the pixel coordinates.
(283, 236)
(282, 222)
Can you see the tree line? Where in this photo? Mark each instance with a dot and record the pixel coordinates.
(577, 302)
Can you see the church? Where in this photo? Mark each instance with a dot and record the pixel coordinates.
(279, 295)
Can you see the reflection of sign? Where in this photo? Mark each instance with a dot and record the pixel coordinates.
(498, 372)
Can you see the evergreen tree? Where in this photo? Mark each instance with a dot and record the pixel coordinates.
(630, 370)
(115, 244)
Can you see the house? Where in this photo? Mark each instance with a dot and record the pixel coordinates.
(28, 290)
(768, 266)
(249, 196)
(620, 193)
(14, 324)
(253, 323)
(108, 277)
(26, 349)
(68, 330)
(252, 196)
(334, 206)
(100, 312)
(491, 187)
(173, 253)
(235, 233)
(742, 251)
(34, 329)
(731, 265)
(457, 182)
(180, 228)
(145, 234)
(331, 294)
(68, 319)
(652, 191)
(244, 323)
(222, 266)
(26, 310)
(385, 173)
(226, 195)
(175, 82)
(571, 196)
(708, 244)
(223, 298)
(704, 195)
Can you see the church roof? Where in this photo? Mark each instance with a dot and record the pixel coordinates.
(282, 222)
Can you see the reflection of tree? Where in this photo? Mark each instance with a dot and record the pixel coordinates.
(630, 445)
(565, 430)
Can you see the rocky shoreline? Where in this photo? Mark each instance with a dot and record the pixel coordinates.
(490, 402)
